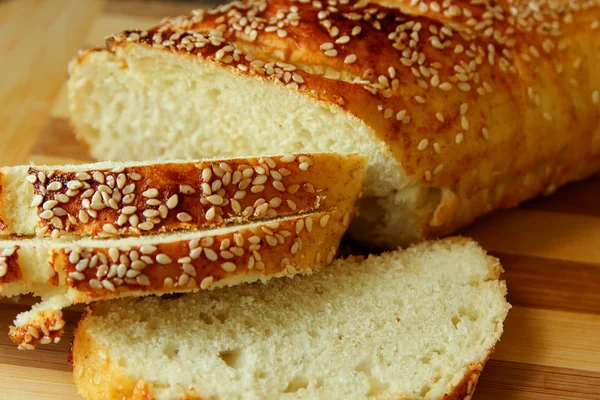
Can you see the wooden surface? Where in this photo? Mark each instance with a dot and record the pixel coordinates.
(550, 247)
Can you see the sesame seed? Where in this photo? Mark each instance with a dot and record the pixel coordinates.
(464, 122)
(163, 259)
(350, 58)
(109, 228)
(206, 282)
(343, 39)
(279, 186)
(150, 193)
(464, 86)
(228, 266)
(215, 199)
(309, 224)
(423, 144)
(400, 115)
(128, 210)
(459, 138)
(168, 282)
(439, 116)
(184, 217)
(78, 276)
(281, 33)
(151, 213)
(288, 158)
(547, 116)
(324, 220)
(95, 284)
(331, 53)
(54, 186)
(485, 132)
(143, 280)
(464, 107)
(420, 99)
(172, 202)
(48, 214)
(446, 86)
(596, 97)
(145, 226)
(37, 200)
(186, 189)
(211, 213)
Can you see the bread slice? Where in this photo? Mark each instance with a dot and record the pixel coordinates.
(133, 198)
(412, 324)
(437, 97)
(86, 270)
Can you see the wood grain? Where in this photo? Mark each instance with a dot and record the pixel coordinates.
(550, 247)
(34, 65)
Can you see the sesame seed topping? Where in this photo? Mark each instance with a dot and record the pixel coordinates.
(331, 53)
(459, 138)
(163, 259)
(206, 282)
(150, 193)
(54, 186)
(423, 144)
(485, 132)
(446, 86)
(228, 266)
(400, 115)
(596, 97)
(350, 59)
(37, 200)
(464, 122)
(172, 202)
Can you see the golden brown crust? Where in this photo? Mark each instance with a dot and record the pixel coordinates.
(9, 265)
(47, 328)
(270, 249)
(474, 99)
(464, 390)
(97, 271)
(145, 199)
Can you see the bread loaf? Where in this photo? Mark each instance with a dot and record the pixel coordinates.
(134, 198)
(463, 107)
(416, 324)
(86, 270)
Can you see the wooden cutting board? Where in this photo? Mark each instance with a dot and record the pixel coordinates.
(550, 247)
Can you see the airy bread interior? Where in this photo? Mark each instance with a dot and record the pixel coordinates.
(159, 104)
(404, 323)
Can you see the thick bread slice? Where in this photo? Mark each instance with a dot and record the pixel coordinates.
(410, 324)
(437, 94)
(91, 269)
(133, 198)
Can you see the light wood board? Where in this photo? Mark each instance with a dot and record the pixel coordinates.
(549, 247)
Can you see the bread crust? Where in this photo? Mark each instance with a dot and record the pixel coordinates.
(450, 100)
(91, 271)
(142, 198)
(91, 359)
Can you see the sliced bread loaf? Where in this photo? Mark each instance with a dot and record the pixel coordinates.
(437, 97)
(66, 272)
(133, 198)
(410, 324)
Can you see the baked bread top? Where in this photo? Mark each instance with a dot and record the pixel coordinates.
(139, 198)
(451, 88)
